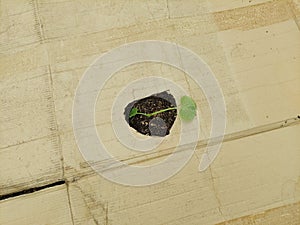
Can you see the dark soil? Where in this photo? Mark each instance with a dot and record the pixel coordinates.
(157, 125)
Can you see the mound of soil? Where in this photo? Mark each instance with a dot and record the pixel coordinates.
(157, 125)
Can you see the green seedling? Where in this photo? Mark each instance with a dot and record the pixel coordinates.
(187, 110)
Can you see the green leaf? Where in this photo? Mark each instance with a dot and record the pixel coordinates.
(133, 112)
(187, 110)
(187, 102)
(187, 114)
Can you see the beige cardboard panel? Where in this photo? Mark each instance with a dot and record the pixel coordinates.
(238, 119)
(193, 8)
(87, 206)
(295, 11)
(259, 15)
(285, 215)
(215, 5)
(250, 175)
(266, 73)
(65, 55)
(257, 171)
(29, 146)
(81, 17)
(155, 204)
(79, 52)
(64, 87)
(27, 111)
(20, 27)
(74, 164)
(258, 73)
(189, 9)
(265, 46)
(34, 163)
(231, 14)
(30, 153)
(255, 57)
(43, 207)
(23, 64)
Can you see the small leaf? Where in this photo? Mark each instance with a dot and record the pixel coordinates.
(187, 110)
(187, 114)
(187, 102)
(133, 112)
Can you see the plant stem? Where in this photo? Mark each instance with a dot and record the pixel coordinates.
(154, 113)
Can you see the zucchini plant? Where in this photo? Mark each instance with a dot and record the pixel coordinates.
(187, 110)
